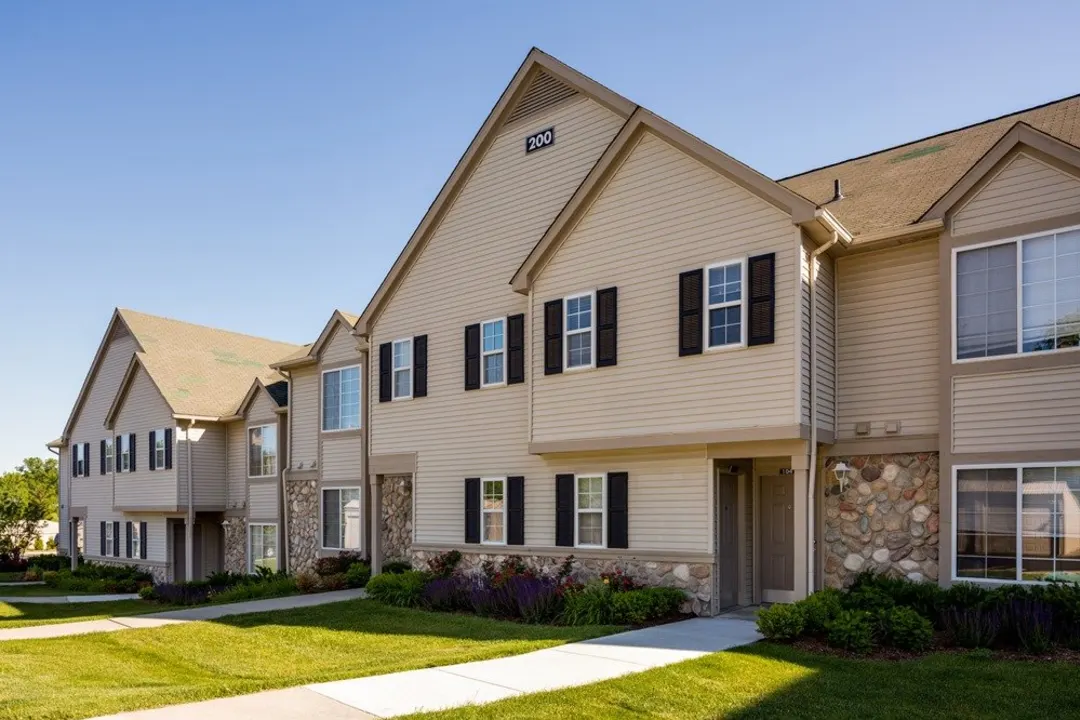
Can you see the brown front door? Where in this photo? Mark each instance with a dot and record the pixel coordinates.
(727, 550)
(777, 536)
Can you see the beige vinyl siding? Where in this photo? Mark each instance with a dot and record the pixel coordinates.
(143, 410)
(263, 501)
(208, 465)
(304, 389)
(1024, 190)
(63, 460)
(340, 348)
(237, 465)
(155, 536)
(826, 340)
(887, 340)
(262, 410)
(462, 277)
(342, 458)
(660, 214)
(1017, 411)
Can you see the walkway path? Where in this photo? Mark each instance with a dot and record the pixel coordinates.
(172, 617)
(384, 696)
(65, 599)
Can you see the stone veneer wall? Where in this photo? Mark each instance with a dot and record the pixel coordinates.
(396, 516)
(160, 573)
(885, 520)
(235, 531)
(302, 504)
(694, 578)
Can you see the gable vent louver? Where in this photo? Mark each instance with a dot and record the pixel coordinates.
(543, 92)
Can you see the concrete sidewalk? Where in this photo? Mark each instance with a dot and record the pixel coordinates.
(66, 599)
(384, 696)
(172, 617)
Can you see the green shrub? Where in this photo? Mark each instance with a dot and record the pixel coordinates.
(147, 592)
(591, 605)
(902, 627)
(308, 583)
(39, 544)
(357, 575)
(335, 564)
(964, 596)
(396, 567)
(337, 581)
(820, 609)
(781, 622)
(634, 607)
(868, 598)
(852, 630)
(403, 589)
(50, 577)
(444, 564)
(275, 586)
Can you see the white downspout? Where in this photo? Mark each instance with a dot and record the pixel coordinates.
(282, 470)
(811, 485)
(189, 530)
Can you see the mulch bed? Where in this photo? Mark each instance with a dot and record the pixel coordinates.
(820, 647)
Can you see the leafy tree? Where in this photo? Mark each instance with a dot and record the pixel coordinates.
(28, 496)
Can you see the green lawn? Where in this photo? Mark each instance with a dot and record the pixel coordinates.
(25, 614)
(38, 591)
(770, 681)
(90, 675)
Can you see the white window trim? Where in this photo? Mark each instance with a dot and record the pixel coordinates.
(741, 302)
(110, 456)
(1019, 515)
(603, 510)
(136, 540)
(247, 445)
(591, 294)
(125, 453)
(484, 354)
(322, 518)
(77, 451)
(160, 437)
(483, 512)
(277, 541)
(395, 370)
(1018, 239)
(110, 540)
(322, 399)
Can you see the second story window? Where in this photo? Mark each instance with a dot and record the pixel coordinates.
(493, 353)
(579, 331)
(78, 460)
(341, 399)
(107, 460)
(159, 450)
(402, 369)
(262, 451)
(124, 456)
(725, 304)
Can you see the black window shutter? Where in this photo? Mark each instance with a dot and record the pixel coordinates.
(553, 341)
(419, 375)
(691, 325)
(153, 455)
(515, 349)
(142, 540)
(102, 453)
(472, 510)
(564, 510)
(168, 448)
(762, 311)
(515, 510)
(618, 498)
(607, 316)
(116, 538)
(102, 538)
(131, 452)
(74, 460)
(128, 528)
(386, 360)
(472, 357)
(116, 454)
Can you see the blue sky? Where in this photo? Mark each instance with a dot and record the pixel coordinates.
(253, 165)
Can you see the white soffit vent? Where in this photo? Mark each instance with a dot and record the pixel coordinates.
(543, 92)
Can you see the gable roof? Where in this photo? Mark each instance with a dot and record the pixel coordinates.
(532, 84)
(801, 209)
(310, 353)
(893, 188)
(277, 391)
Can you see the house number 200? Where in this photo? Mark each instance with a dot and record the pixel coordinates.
(539, 140)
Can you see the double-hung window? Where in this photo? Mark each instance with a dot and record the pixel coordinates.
(262, 451)
(109, 540)
(124, 453)
(590, 515)
(493, 353)
(403, 359)
(1018, 296)
(1018, 523)
(341, 399)
(159, 449)
(493, 511)
(136, 540)
(109, 455)
(341, 518)
(579, 331)
(725, 319)
(263, 547)
(78, 458)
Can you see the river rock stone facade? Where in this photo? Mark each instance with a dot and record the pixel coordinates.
(235, 531)
(159, 573)
(885, 519)
(693, 578)
(396, 516)
(302, 503)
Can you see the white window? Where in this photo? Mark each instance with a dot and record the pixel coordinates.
(109, 539)
(1018, 296)
(590, 511)
(136, 541)
(109, 463)
(1017, 523)
(125, 454)
(78, 458)
(341, 399)
(725, 320)
(262, 547)
(403, 369)
(159, 449)
(262, 451)
(579, 331)
(493, 511)
(493, 353)
(341, 518)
